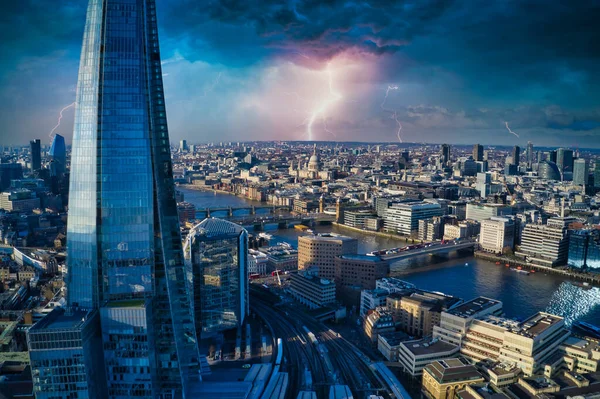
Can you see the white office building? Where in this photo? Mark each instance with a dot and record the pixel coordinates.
(496, 234)
(404, 218)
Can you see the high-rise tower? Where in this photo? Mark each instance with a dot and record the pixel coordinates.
(127, 298)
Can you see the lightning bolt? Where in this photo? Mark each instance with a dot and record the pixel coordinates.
(393, 113)
(60, 116)
(510, 131)
(322, 108)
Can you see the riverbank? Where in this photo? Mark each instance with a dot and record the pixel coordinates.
(210, 189)
(378, 234)
(593, 280)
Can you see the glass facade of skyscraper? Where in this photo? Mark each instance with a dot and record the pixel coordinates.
(58, 155)
(584, 250)
(124, 255)
(216, 254)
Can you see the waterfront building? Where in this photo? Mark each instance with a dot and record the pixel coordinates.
(414, 355)
(19, 200)
(548, 170)
(462, 229)
(35, 147)
(378, 321)
(445, 378)
(478, 152)
(216, 253)
(580, 172)
(497, 234)
(455, 322)
(58, 156)
(584, 249)
(311, 290)
(480, 212)
(127, 329)
(8, 173)
(404, 218)
(357, 219)
(320, 250)
(354, 272)
(546, 245)
(431, 229)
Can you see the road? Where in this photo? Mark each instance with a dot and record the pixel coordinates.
(433, 248)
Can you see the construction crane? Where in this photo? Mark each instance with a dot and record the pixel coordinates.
(512, 195)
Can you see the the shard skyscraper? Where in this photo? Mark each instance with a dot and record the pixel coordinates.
(128, 330)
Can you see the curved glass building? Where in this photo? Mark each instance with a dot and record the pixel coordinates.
(548, 170)
(126, 272)
(216, 253)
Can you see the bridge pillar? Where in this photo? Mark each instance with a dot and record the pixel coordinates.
(207, 213)
(230, 212)
(253, 210)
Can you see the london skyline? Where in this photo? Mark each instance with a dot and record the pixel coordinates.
(264, 71)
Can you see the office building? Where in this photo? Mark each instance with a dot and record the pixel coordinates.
(404, 218)
(8, 173)
(415, 314)
(378, 321)
(484, 184)
(462, 229)
(354, 273)
(311, 290)
(445, 378)
(584, 250)
(321, 250)
(546, 245)
(597, 174)
(564, 160)
(431, 229)
(481, 212)
(530, 154)
(183, 145)
(216, 252)
(357, 219)
(549, 171)
(478, 152)
(58, 155)
(371, 299)
(257, 262)
(124, 248)
(497, 234)
(414, 355)
(445, 154)
(19, 200)
(468, 167)
(35, 147)
(516, 155)
(581, 172)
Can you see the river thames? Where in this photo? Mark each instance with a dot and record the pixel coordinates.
(465, 277)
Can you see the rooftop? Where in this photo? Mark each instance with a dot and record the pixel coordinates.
(538, 323)
(473, 307)
(213, 227)
(428, 346)
(58, 319)
(394, 338)
(327, 237)
(452, 370)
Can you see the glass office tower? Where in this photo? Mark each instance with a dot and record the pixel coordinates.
(58, 156)
(216, 254)
(124, 255)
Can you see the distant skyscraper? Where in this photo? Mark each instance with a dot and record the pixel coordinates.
(216, 253)
(36, 154)
(580, 172)
(58, 155)
(127, 330)
(183, 145)
(597, 174)
(9, 172)
(445, 153)
(516, 155)
(552, 156)
(564, 160)
(584, 250)
(530, 154)
(478, 152)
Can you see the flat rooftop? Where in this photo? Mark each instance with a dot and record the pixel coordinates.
(427, 346)
(327, 237)
(538, 323)
(58, 319)
(473, 307)
(394, 339)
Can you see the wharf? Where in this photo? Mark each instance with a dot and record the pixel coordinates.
(590, 278)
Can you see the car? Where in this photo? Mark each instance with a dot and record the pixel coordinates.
(246, 366)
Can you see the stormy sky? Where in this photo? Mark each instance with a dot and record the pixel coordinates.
(453, 71)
